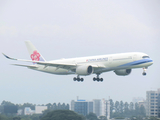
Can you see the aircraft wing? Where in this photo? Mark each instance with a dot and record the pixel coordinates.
(46, 64)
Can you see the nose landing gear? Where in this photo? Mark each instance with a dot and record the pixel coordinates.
(97, 78)
(144, 71)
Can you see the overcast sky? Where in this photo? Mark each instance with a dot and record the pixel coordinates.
(77, 28)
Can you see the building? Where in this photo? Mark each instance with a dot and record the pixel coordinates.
(153, 103)
(20, 112)
(97, 106)
(28, 111)
(40, 109)
(142, 103)
(137, 99)
(108, 109)
(82, 107)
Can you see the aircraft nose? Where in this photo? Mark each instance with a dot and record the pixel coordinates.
(151, 61)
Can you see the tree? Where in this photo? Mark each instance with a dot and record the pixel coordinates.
(91, 116)
(29, 105)
(34, 117)
(117, 106)
(137, 109)
(126, 109)
(6, 103)
(16, 118)
(102, 118)
(121, 106)
(49, 105)
(59, 106)
(153, 118)
(63, 106)
(54, 106)
(67, 107)
(142, 111)
(131, 109)
(131, 106)
(62, 115)
(45, 112)
(3, 117)
(1, 109)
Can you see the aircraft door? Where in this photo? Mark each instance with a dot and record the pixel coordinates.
(110, 60)
(134, 57)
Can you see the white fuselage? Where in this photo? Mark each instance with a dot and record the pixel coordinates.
(102, 63)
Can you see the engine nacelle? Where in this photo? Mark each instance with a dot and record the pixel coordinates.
(84, 70)
(123, 72)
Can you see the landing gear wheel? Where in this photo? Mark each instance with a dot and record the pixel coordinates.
(101, 79)
(78, 79)
(144, 74)
(74, 78)
(97, 78)
(82, 79)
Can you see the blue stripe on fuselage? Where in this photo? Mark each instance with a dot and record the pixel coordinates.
(138, 62)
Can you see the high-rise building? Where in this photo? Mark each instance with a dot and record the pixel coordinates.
(82, 107)
(108, 109)
(97, 106)
(153, 103)
(90, 107)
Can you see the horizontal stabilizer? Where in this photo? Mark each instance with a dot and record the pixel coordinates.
(49, 63)
(60, 65)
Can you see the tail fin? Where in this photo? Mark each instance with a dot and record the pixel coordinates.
(33, 52)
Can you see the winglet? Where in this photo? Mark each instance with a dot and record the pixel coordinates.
(9, 57)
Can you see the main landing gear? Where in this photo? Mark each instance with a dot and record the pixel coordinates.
(78, 79)
(144, 71)
(97, 78)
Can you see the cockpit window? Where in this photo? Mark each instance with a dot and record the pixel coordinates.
(145, 57)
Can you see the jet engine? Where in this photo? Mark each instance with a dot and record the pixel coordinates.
(84, 70)
(123, 72)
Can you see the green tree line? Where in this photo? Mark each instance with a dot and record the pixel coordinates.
(50, 106)
(66, 115)
(125, 109)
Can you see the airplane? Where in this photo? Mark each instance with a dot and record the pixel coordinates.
(122, 64)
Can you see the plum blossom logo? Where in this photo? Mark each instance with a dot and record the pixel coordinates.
(35, 56)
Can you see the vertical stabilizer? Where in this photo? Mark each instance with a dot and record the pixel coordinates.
(33, 52)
